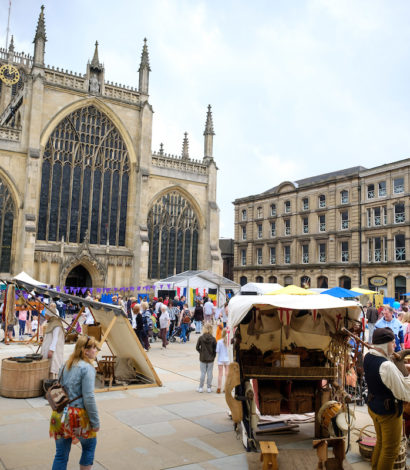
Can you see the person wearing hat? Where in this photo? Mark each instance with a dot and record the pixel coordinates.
(53, 342)
(388, 388)
(389, 321)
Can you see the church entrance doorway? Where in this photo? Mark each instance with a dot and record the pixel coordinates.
(79, 277)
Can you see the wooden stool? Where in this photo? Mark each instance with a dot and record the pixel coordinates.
(106, 366)
(269, 455)
(321, 446)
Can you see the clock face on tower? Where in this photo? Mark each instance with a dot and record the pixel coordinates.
(9, 74)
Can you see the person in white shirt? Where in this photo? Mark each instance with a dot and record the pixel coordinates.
(208, 311)
(53, 342)
(388, 389)
(164, 322)
(223, 358)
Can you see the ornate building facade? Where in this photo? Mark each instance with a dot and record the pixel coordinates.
(83, 199)
(349, 228)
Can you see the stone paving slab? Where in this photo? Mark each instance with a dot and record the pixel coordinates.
(193, 408)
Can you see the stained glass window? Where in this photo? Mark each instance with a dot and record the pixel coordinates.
(7, 213)
(84, 183)
(173, 236)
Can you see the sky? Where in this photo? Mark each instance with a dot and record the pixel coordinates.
(297, 88)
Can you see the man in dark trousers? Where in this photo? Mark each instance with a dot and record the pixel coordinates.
(372, 315)
(388, 388)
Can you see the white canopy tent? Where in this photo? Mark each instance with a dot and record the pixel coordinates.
(24, 277)
(202, 280)
(259, 288)
(282, 320)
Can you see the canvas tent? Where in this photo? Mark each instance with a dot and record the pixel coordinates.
(24, 277)
(291, 319)
(259, 288)
(116, 332)
(189, 281)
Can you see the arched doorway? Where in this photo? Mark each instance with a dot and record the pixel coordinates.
(345, 282)
(322, 282)
(288, 280)
(305, 282)
(79, 277)
(243, 280)
(273, 279)
(259, 279)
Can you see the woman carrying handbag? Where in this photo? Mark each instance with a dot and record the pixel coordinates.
(79, 421)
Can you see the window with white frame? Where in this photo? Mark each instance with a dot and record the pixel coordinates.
(287, 226)
(287, 207)
(287, 254)
(322, 223)
(345, 220)
(376, 216)
(344, 196)
(259, 212)
(399, 248)
(259, 232)
(272, 255)
(322, 252)
(305, 223)
(382, 188)
(259, 256)
(244, 214)
(398, 185)
(305, 254)
(273, 229)
(243, 257)
(273, 210)
(322, 201)
(305, 204)
(399, 216)
(370, 191)
(345, 252)
(243, 232)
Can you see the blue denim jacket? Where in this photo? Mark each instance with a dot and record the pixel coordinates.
(80, 380)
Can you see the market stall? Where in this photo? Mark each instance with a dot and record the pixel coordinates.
(197, 283)
(126, 364)
(289, 355)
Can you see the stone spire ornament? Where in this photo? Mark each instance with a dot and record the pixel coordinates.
(144, 70)
(41, 27)
(11, 46)
(185, 147)
(208, 135)
(95, 63)
(161, 148)
(40, 40)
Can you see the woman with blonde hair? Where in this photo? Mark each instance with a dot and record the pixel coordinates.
(79, 421)
(223, 358)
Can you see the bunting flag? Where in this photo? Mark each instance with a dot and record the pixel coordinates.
(197, 291)
(169, 286)
(83, 290)
(288, 313)
(138, 288)
(132, 289)
(314, 314)
(179, 292)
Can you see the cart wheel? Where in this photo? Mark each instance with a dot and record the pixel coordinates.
(173, 339)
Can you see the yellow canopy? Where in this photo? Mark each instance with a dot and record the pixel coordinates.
(292, 290)
(363, 291)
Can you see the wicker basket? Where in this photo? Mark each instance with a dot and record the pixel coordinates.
(269, 400)
(301, 404)
(367, 441)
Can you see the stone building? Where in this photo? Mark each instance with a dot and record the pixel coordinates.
(347, 228)
(226, 246)
(83, 199)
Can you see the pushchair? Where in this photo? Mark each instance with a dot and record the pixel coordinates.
(176, 333)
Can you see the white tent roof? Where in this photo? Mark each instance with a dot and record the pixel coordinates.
(206, 275)
(24, 277)
(240, 305)
(260, 287)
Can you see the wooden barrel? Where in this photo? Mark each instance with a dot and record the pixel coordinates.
(23, 379)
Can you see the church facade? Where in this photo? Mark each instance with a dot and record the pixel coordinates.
(83, 199)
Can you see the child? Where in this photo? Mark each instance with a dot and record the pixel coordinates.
(223, 358)
(34, 325)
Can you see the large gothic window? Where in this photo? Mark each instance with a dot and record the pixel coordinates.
(7, 211)
(84, 182)
(173, 236)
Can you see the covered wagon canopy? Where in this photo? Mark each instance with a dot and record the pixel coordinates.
(199, 280)
(24, 277)
(116, 329)
(283, 320)
(259, 288)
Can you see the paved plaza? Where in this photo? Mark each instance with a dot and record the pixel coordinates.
(153, 428)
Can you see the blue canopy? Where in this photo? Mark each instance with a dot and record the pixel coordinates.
(407, 293)
(341, 293)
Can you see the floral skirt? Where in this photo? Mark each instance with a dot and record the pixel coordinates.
(73, 423)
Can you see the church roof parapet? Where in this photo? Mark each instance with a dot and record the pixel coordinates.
(17, 58)
(164, 160)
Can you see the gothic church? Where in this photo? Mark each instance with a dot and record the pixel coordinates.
(83, 199)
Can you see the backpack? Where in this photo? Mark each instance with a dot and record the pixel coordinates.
(147, 321)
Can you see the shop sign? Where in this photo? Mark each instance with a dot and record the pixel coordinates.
(378, 281)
